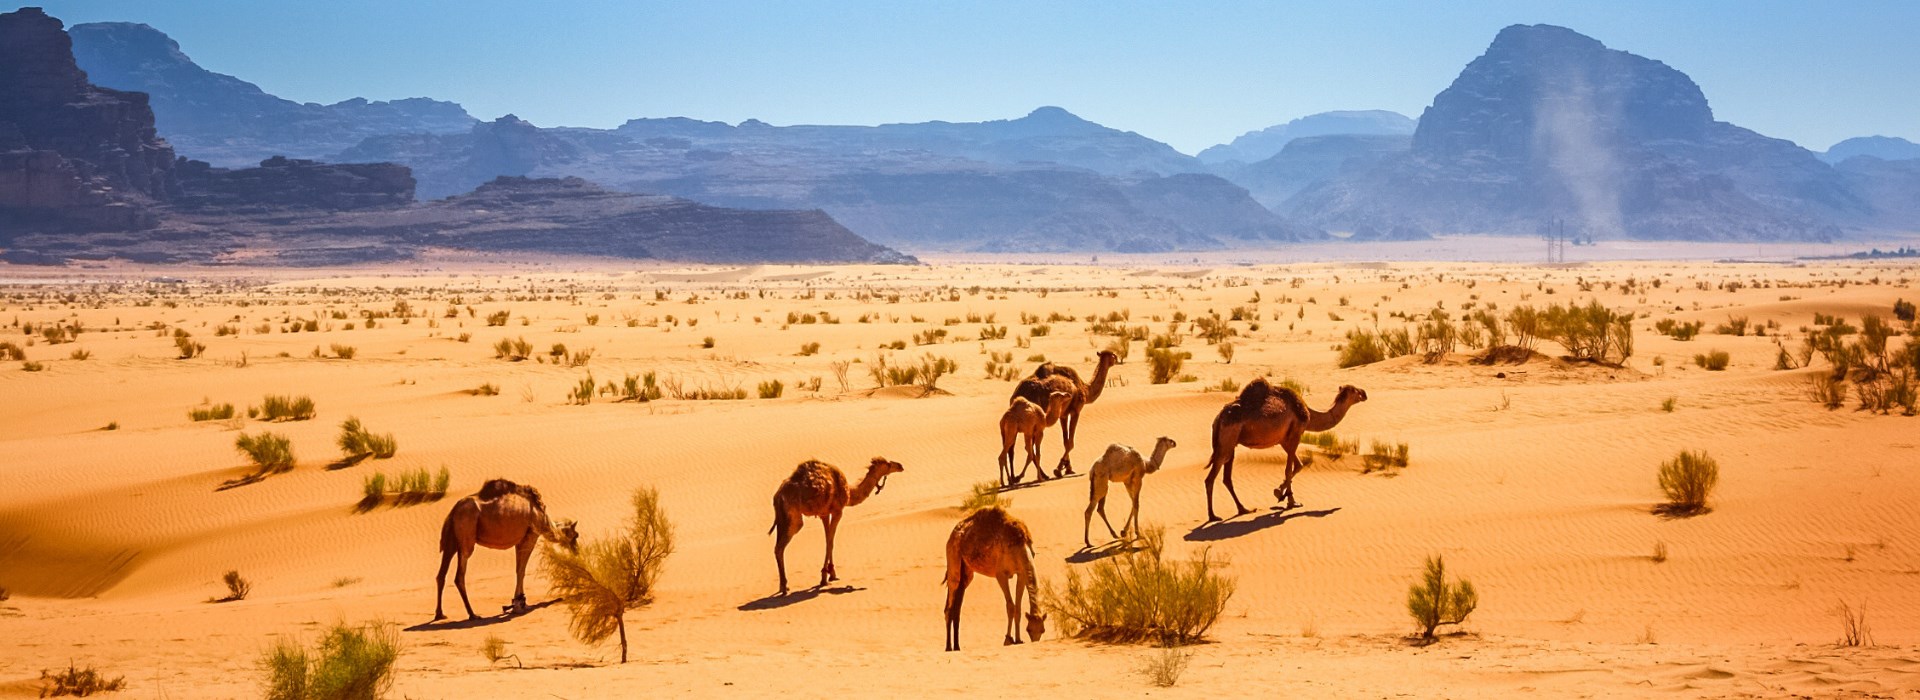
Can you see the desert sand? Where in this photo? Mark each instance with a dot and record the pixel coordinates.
(1536, 481)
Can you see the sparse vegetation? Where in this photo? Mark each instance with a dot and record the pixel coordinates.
(278, 407)
(344, 352)
(405, 488)
(486, 389)
(513, 350)
(1667, 405)
(269, 452)
(238, 588)
(350, 663)
(772, 389)
(1163, 364)
(356, 442)
(984, 494)
(1713, 361)
(211, 412)
(606, 577)
(1164, 666)
(11, 352)
(1434, 602)
(1385, 455)
(187, 347)
(78, 682)
(1687, 480)
(1854, 631)
(1141, 596)
(495, 651)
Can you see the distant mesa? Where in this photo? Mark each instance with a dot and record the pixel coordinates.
(1881, 147)
(1255, 146)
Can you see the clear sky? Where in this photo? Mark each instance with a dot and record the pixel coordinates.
(1191, 74)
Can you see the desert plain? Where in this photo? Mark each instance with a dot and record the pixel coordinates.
(1536, 480)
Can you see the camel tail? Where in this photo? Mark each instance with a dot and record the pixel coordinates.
(779, 516)
(449, 543)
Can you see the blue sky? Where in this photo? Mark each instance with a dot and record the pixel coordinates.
(1190, 74)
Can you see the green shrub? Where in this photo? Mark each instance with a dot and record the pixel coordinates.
(78, 682)
(211, 412)
(350, 663)
(807, 349)
(582, 392)
(640, 388)
(1383, 455)
(606, 577)
(513, 350)
(356, 441)
(487, 389)
(985, 494)
(1687, 480)
(1140, 596)
(1714, 361)
(373, 490)
(772, 389)
(344, 352)
(1434, 602)
(9, 351)
(269, 452)
(275, 407)
(1163, 364)
(499, 318)
(1163, 667)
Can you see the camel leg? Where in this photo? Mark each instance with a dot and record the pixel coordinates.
(1033, 454)
(1226, 477)
(1013, 613)
(1068, 424)
(440, 586)
(1133, 518)
(1095, 495)
(1007, 439)
(1285, 492)
(957, 579)
(780, 541)
(832, 523)
(460, 580)
(522, 553)
(1103, 510)
(1213, 471)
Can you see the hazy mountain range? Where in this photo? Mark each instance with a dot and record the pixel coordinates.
(1547, 126)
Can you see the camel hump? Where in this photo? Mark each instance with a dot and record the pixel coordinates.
(1258, 392)
(495, 488)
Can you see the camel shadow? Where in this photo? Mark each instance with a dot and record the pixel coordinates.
(1228, 529)
(1114, 548)
(478, 622)
(1032, 482)
(780, 601)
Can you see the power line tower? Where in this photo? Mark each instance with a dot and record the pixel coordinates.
(1557, 241)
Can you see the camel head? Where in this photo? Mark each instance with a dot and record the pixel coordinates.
(880, 469)
(1057, 400)
(1036, 626)
(1160, 448)
(1109, 358)
(567, 533)
(1350, 395)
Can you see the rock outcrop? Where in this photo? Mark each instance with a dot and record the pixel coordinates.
(72, 156)
(290, 183)
(1311, 160)
(1882, 147)
(1549, 125)
(1256, 146)
(230, 122)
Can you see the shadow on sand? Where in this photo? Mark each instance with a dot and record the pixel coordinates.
(1228, 529)
(780, 601)
(1114, 548)
(1030, 482)
(478, 622)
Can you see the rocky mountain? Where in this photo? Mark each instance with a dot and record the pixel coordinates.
(230, 122)
(1552, 125)
(73, 156)
(885, 183)
(1311, 160)
(1255, 146)
(1882, 147)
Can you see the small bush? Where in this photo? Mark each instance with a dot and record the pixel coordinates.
(78, 682)
(237, 587)
(495, 650)
(9, 351)
(1669, 403)
(513, 350)
(772, 389)
(269, 452)
(606, 577)
(358, 442)
(1854, 631)
(1164, 364)
(642, 388)
(212, 412)
(188, 348)
(350, 663)
(373, 490)
(582, 392)
(32, 367)
(278, 408)
(807, 349)
(80, 354)
(344, 352)
(1828, 390)
(1140, 596)
(1714, 361)
(1384, 455)
(487, 389)
(1163, 667)
(1362, 347)
(1434, 602)
(707, 342)
(1687, 480)
(985, 494)
(499, 318)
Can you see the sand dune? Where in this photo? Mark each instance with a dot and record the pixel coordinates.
(1535, 480)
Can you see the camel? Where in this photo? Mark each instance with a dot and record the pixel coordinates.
(1048, 378)
(1120, 464)
(993, 543)
(503, 515)
(1024, 417)
(1264, 416)
(819, 489)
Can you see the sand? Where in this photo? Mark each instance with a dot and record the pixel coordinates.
(1537, 485)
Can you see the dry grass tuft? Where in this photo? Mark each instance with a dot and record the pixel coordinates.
(1141, 596)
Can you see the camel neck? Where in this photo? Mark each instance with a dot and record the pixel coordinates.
(1098, 384)
(863, 489)
(1159, 453)
(1320, 421)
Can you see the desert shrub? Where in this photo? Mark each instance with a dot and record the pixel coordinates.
(931, 369)
(373, 490)
(350, 663)
(1330, 444)
(211, 412)
(807, 349)
(1854, 631)
(9, 351)
(356, 441)
(1713, 361)
(1433, 602)
(188, 348)
(78, 682)
(582, 392)
(1140, 596)
(276, 407)
(1384, 455)
(1362, 347)
(269, 452)
(486, 389)
(499, 318)
(1227, 385)
(985, 494)
(1687, 480)
(772, 389)
(1903, 310)
(706, 342)
(32, 367)
(514, 350)
(1676, 330)
(606, 577)
(1827, 390)
(1040, 330)
(1667, 405)
(344, 352)
(639, 387)
(1735, 325)
(1592, 332)
(238, 587)
(1164, 364)
(80, 354)
(494, 649)
(1164, 666)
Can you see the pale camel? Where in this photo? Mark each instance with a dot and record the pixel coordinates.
(1048, 378)
(992, 543)
(1120, 464)
(1023, 417)
(503, 515)
(1264, 416)
(818, 489)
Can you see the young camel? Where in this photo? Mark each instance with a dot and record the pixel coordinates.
(1120, 464)
(992, 543)
(1264, 416)
(503, 515)
(818, 489)
(1048, 378)
(1023, 417)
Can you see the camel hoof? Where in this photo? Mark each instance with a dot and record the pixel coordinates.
(438, 617)
(1010, 642)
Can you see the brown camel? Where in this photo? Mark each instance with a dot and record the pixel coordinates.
(1264, 416)
(1048, 378)
(993, 543)
(819, 489)
(1120, 464)
(1023, 417)
(503, 515)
